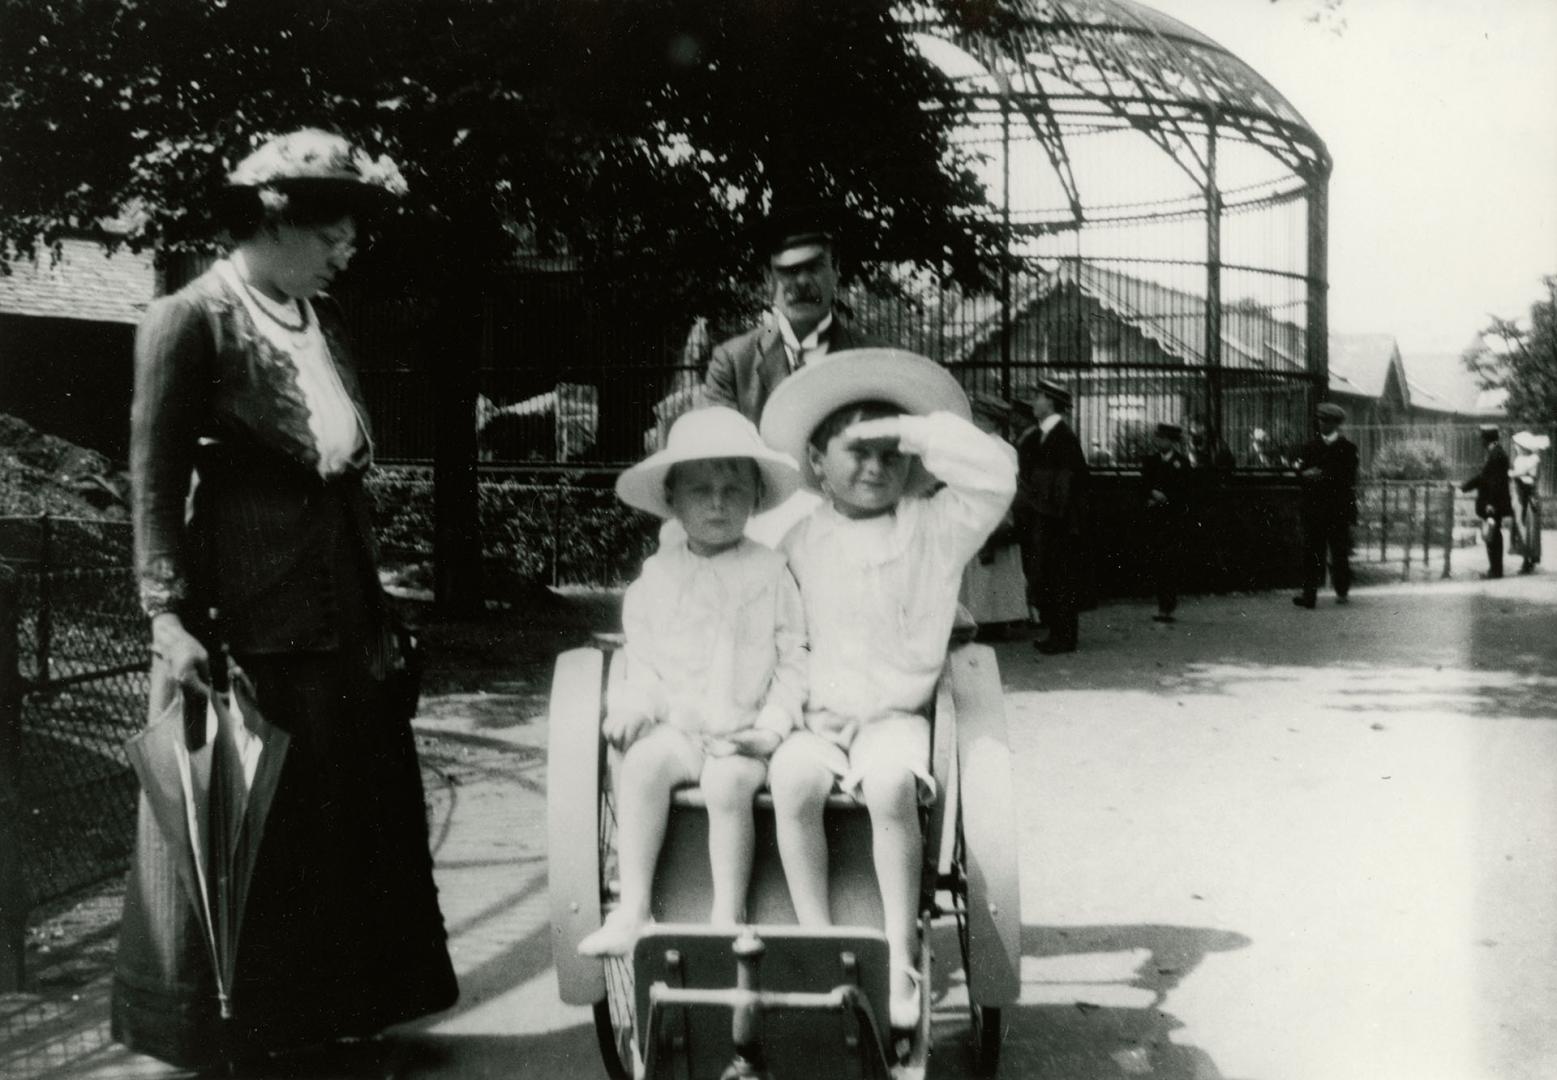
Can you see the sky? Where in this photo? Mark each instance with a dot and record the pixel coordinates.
(1441, 118)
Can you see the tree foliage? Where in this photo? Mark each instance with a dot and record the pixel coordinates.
(641, 138)
(1521, 358)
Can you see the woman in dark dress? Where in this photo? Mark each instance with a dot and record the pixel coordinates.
(245, 392)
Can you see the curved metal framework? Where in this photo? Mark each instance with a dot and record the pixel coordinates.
(1166, 210)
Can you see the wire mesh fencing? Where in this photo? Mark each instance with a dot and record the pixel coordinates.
(77, 690)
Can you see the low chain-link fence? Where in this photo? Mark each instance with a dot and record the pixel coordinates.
(73, 688)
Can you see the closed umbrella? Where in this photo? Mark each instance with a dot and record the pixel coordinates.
(209, 767)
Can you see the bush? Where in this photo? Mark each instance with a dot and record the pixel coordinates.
(1412, 459)
(595, 539)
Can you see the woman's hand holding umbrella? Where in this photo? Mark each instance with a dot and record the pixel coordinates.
(187, 659)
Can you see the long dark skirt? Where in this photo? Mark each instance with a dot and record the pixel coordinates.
(342, 934)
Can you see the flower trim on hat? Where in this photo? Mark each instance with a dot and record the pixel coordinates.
(312, 154)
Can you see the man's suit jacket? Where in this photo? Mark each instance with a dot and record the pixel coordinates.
(1171, 476)
(745, 370)
(1491, 484)
(1052, 475)
(1333, 494)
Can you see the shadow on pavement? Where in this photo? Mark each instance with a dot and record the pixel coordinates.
(1091, 1004)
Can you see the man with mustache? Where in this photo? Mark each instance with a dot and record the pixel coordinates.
(802, 276)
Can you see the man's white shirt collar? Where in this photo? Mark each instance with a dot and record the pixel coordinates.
(814, 345)
(1330, 438)
(1048, 424)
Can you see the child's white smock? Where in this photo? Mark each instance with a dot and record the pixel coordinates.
(714, 644)
(880, 593)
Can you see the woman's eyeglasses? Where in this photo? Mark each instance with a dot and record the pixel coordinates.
(343, 244)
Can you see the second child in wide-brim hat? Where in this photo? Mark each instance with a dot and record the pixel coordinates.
(916, 384)
(705, 434)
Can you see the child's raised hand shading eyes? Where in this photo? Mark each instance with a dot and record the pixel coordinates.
(882, 429)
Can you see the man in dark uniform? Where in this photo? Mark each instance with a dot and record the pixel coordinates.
(1327, 468)
(1050, 509)
(1493, 502)
(800, 246)
(1165, 481)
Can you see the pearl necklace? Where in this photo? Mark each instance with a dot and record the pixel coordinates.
(273, 311)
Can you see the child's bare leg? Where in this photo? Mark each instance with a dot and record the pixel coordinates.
(729, 786)
(800, 785)
(650, 770)
(891, 796)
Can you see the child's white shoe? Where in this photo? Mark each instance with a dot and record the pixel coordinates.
(616, 936)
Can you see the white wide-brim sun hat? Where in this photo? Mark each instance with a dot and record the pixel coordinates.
(1529, 440)
(703, 434)
(916, 384)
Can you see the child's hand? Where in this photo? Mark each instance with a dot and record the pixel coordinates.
(882, 429)
(621, 729)
(756, 743)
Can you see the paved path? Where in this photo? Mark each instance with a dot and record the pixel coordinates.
(1262, 844)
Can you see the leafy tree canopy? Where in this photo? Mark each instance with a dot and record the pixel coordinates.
(1521, 357)
(642, 138)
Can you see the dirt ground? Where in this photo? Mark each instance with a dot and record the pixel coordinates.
(1263, 842)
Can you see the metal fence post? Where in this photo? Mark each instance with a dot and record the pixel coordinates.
(45, 634)
(1405, 568)
(1427, 525)
(556, 538)
(1384, 522)
(1448, 528)
(14, 902)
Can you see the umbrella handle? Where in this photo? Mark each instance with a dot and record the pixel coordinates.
(195, 704)
(196, 701)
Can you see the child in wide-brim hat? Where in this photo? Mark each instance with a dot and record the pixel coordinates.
(910, 490)
(714, 654)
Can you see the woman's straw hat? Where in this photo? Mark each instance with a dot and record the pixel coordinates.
(1529, 440)
(310, 157)
(715, 431)
(915, 384)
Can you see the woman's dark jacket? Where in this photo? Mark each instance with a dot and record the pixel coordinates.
(216, 400)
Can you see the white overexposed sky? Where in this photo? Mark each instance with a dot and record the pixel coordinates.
(1441, 117)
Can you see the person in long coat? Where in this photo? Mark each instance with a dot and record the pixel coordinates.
(1165, 487)
(249, 442)
(1493, 502)
(1051, 511)
(1327, 469)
